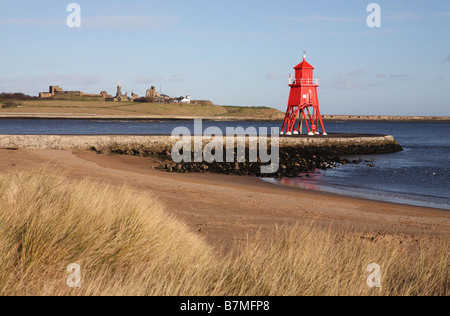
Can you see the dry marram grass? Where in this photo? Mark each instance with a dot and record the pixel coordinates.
(126, 244)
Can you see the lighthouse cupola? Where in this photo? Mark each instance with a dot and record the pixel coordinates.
(304, 71)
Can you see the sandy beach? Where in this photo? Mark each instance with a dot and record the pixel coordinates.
(224, 209)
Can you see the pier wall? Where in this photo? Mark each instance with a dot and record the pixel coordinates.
(298, 154)
(142, 145)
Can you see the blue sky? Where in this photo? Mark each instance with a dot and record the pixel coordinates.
(235, 52)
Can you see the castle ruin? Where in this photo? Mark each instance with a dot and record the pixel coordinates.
(57, 93)
(152, 93)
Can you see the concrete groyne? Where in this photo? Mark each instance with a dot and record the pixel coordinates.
(340, 144)
(296, 154)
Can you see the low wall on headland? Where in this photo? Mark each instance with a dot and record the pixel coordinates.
(339, 144)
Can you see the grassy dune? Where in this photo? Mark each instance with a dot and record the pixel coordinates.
(126, 244)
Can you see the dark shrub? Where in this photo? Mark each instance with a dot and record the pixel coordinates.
(9, 105)
(16, 96)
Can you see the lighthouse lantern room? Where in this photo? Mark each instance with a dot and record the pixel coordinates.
(303, 104)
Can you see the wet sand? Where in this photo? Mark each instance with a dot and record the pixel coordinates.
(227, 208)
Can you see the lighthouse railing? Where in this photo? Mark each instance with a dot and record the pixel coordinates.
(309, 81)
(304, 81)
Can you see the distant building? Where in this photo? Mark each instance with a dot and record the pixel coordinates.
(52, 91)
(134, 96)
(57, 93)
(186, 100)
(119, 96)
(152, 93)
(164, 97)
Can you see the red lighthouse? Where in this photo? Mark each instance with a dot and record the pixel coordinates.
(303, 102)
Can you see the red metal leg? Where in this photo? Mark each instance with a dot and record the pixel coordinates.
(285, 120)
(321, 122)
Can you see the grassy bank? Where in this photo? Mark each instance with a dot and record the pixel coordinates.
(140, 109)
(126, 244)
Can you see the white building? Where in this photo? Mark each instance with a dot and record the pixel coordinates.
(186, 100)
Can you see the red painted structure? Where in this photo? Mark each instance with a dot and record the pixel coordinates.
(303, 102)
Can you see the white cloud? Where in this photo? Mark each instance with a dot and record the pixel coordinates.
(446, 59)
(413, 16)
(356, 73)
(344, 82)
(129, 22)
(401, 77)
(445, 14)
(312, 18)
(398, 77)
(273, 76)
(101, 22)
(68, 79)
(146, 80)
(357, 80)
(34, 22)
(405, 15)
(41, 83)
(154, 80)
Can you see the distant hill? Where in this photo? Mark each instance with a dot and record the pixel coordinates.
(256, 112)
(205, 109)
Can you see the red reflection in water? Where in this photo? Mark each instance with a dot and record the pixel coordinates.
(305, 181)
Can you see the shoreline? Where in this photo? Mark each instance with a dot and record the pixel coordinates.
(226, 208)
(331, 118)
(368, 195)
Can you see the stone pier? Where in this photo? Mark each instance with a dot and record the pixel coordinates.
(339, 144)
(297, 154)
